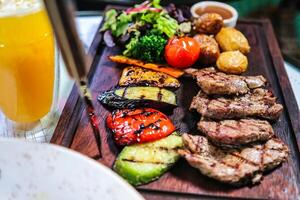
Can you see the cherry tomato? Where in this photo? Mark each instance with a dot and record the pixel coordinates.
(141, 125)
(182, 52)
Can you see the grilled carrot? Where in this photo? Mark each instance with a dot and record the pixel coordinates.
(155, 67)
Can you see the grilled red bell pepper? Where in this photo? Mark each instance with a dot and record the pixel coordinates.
(131, 126)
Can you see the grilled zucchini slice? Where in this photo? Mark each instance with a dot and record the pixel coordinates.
(134, 97)
(139, 76)
(143, 163)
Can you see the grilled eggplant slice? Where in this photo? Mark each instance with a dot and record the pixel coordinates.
(144, 77)
(134, 97)
(142, 163)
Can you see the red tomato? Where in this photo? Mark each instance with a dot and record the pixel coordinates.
(130, 126)
(182, 52)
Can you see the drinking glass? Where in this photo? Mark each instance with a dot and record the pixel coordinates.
(27, 64)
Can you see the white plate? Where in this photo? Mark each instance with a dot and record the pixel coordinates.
(31, 171)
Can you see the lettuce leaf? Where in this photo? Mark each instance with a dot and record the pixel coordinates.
(166, 25)
(156, 3)
(161, 21)
(122, 24)
(110, 19)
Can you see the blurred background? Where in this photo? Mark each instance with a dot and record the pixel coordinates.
(284, 14)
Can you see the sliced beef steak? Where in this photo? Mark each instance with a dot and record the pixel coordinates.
(214, 82)
(236, 166)
(233, 133)
(257, 103)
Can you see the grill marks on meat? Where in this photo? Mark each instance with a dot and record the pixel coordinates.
(257, 103)
(229, 121)
(233, 133)
(214, 82)
(235, 166)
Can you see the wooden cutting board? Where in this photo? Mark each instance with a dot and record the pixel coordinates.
(182, 181)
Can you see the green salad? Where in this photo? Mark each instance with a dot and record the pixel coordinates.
(144, 28)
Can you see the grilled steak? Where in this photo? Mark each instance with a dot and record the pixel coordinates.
(232, 133)
(239, 166)
(214, 82)
(258, 103)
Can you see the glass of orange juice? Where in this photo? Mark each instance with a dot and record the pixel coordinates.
(27, 61)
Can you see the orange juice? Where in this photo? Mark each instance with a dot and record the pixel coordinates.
(26, 61)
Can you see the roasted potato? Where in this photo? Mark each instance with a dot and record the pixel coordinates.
(208, 23)
(231, 39)
(233, 62)
(209, 49)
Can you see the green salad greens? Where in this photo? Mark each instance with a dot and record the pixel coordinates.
(144, 29)
(118, 24)
(159, 19)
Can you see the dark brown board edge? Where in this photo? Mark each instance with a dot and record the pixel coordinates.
(282, 77)
(288, 94)
(289, 99)
(70, 116)
(167, 195)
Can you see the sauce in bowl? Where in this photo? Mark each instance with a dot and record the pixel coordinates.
(229, 13)
(226, 14)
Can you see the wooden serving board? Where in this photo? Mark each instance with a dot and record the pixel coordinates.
(182, 181)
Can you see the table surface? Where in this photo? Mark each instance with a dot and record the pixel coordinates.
(87, 26)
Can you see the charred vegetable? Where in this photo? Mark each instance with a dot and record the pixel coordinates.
(139, 76)
(130, 126)
(133, 97)
(142, 163)
(156, 67)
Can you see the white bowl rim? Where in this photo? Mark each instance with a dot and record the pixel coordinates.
(216, 3)
(78, 156)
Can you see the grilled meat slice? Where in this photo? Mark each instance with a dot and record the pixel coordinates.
(236, 166)
(213, 82)
(232, 133)
(258, 103)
